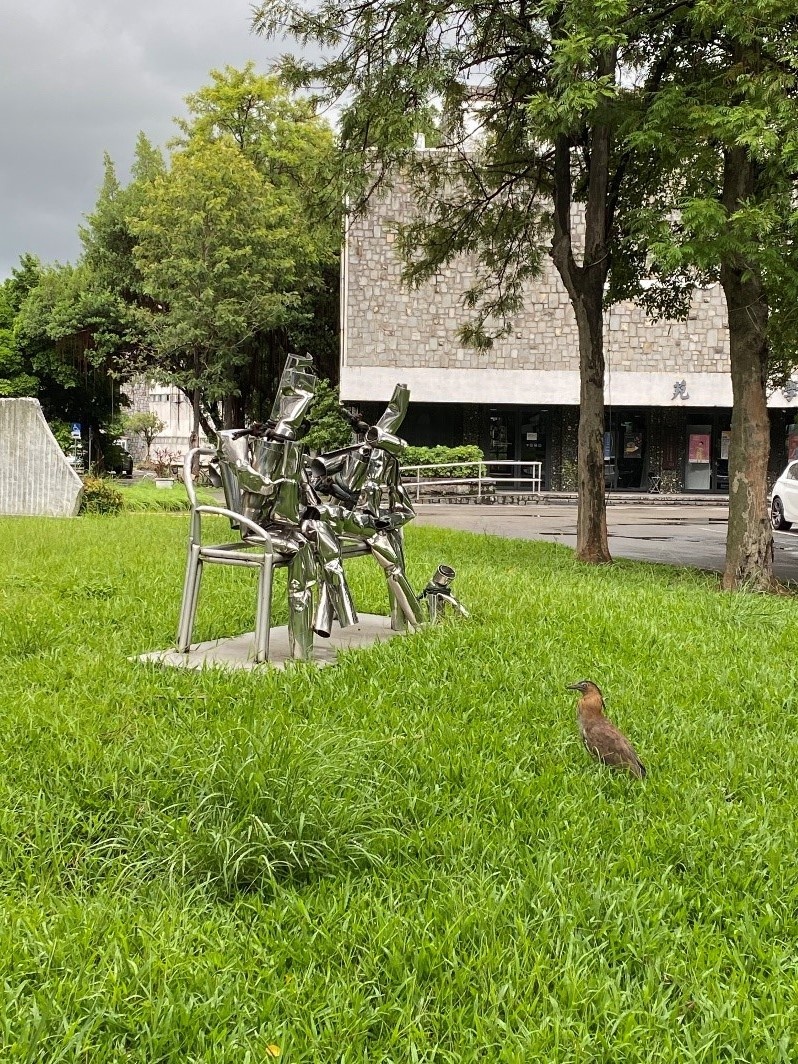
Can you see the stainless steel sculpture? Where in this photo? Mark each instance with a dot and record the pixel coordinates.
(315, 511)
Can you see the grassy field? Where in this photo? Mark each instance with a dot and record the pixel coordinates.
(408, 857)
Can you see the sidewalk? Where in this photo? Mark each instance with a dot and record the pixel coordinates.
(566, 498)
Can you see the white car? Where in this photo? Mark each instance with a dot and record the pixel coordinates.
(784, 499)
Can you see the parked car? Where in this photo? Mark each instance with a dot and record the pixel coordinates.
(784, 499)
(118, 459)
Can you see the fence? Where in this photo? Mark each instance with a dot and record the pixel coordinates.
(528, 477)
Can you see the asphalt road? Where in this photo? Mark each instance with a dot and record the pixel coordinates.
(676, 535)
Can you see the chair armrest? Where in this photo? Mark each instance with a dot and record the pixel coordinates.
(260, 534)
(188, 462)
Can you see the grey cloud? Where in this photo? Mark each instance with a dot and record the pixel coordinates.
(81, 77)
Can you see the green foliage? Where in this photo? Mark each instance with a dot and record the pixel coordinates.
(68, 334)
(142, 423)
(217, 251)
(408, 856)
(16, 372)
(427, 456)
(328, 428)
(62, 430)
(99, 497)
(235, 243)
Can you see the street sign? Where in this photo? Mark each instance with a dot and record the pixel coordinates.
(76, 432)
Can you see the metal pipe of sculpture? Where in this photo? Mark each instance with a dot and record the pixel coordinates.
(386, 555)
(386, 441)
(301, 580)
(395, 411)
(334, 596)
(438, 593)
(295, 394)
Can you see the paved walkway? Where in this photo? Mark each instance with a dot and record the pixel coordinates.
(683, 533)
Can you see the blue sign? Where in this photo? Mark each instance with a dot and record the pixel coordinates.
(76, 432)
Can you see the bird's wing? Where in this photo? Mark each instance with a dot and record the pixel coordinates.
(611, 746)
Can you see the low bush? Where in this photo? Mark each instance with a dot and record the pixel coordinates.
(100, 497)
(432, 456)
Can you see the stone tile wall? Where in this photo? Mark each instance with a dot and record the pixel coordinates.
(387, 325)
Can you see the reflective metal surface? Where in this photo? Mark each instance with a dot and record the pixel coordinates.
(311, 511)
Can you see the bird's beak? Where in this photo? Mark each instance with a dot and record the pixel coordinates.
(572, 687)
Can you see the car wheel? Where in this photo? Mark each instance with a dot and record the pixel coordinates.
(777, 516)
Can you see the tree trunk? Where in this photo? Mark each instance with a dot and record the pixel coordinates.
(232, 412)
(749, 541)
(591, 522)
(585, 286)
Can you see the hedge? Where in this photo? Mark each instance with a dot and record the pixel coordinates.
(430, 456)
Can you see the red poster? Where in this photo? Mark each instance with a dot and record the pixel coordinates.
(698, 448)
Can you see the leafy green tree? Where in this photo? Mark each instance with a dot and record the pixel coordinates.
(293, 150)
(108, 240)
(329, 429)
(217, 252)
(142, 423)
(720, 144)
(16, 373)
(65, 333)
(526, 103)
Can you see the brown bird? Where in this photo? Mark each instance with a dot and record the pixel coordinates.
(600, 736)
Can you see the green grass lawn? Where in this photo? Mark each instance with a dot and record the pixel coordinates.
(408, 857)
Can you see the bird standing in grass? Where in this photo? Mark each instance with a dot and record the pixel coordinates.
(600, 736)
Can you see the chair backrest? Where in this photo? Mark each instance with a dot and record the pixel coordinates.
(231, 488)
(230, 485)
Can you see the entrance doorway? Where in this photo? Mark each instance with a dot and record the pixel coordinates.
(518, 434)
(698, 470)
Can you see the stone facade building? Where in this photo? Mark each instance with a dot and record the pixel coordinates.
(170, 405)
(668, 388)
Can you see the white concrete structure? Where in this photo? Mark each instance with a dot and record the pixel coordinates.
(36, 480)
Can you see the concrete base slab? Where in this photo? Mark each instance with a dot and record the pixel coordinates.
(238, 652)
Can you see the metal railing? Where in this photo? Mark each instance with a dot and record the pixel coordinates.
(530, 474)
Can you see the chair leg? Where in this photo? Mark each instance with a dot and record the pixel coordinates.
(398, 620)
(188, 608)
(263, 614)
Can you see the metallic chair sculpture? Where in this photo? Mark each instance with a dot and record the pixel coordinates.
(308, 516)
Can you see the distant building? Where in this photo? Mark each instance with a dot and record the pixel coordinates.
(668, 387)
(170, 405)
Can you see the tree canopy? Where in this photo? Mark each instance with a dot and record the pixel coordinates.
(203, 270)
(592, 132)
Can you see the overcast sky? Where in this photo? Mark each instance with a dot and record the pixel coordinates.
(80, 77)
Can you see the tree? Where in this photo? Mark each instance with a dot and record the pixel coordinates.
(108, 240)
(526, 102)
(66, 333)
(722, 145)
(329, 429)
(293, 150)
(233, 256)
(16, 376)
(145, 424)
(217, 253)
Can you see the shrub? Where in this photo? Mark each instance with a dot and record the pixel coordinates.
(430, 456)
(164, 461)
(328, 427)
(100, 497)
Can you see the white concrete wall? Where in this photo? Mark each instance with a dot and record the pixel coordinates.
(35, 477)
